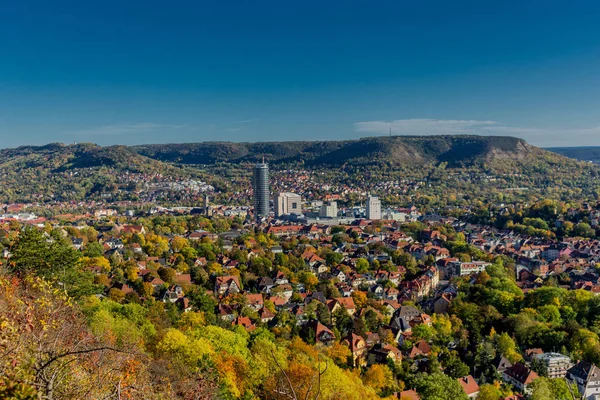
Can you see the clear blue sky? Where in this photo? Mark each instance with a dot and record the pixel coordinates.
(134, 72)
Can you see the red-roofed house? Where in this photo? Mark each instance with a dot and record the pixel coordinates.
(469, 385)
(421, 348)
(227, 284)
(409, 395)
(358, 348)
(265, 315)
(339, 302)
(520, 377)
(322, 334)
(255, 300)
(245, 322)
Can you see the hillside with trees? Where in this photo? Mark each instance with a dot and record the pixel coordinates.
(454, 150)
(452, 166)
(76, 172)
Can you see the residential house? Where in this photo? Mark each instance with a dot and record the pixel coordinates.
(284, 291)
(473, 267)
(318, 296)
(299, 314)
(281, 279)
(77, 243)
(501, 364)
(442, 304)
(226, 312)
(408, 395)
(377, 290)
(390, 293)
(133, 229)
(587, 378)
(228, 284)
(420, 349)
(390, 306)
(245, 322)
(265, 315)
(381, 353)
(172, 294)
(184, 304)
(255, 300)
(407, 313)
(520, 377)
(358, 348)
(470, 386)
(265, 284)
(342, 302)
(531, 353)
(322, 334)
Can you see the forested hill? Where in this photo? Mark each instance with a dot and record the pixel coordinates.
(74, 172)
(58, 157)
(455, 150)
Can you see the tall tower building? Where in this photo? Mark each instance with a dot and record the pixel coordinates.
(373, 207)
(260, 183)
(288, 203)
(206, 205)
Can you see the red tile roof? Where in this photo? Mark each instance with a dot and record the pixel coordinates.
(469, 385)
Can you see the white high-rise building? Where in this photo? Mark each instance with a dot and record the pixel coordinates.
(329, 210)
(373, 207)
(288, 203)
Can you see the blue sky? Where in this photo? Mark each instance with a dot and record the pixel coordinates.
(130, 72)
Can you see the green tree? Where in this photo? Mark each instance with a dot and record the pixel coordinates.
(49, 257)
(561, 390)
(483, 362)
(93, 249)
(362, 265)
(438, 386)
(489, 392)
(454, 367)
(507, 347)
(540, 389)
(343, 320)
(167, 274)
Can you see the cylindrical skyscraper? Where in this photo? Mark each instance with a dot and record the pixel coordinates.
(260, 183)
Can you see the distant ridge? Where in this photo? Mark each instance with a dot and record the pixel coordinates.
(455, 150)
(58, 171)
(583, 153)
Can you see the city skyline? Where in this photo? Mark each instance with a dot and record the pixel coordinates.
(139, 73)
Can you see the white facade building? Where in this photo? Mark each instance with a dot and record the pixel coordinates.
(556, 364)
(373, 208)
(288, 203)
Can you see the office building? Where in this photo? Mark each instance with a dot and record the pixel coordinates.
(328, 210)
(373, 208)
(260, 183)
(392, 215)
(288, 203)
(472, 267)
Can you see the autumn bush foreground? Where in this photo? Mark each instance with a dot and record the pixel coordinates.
(51, 348)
